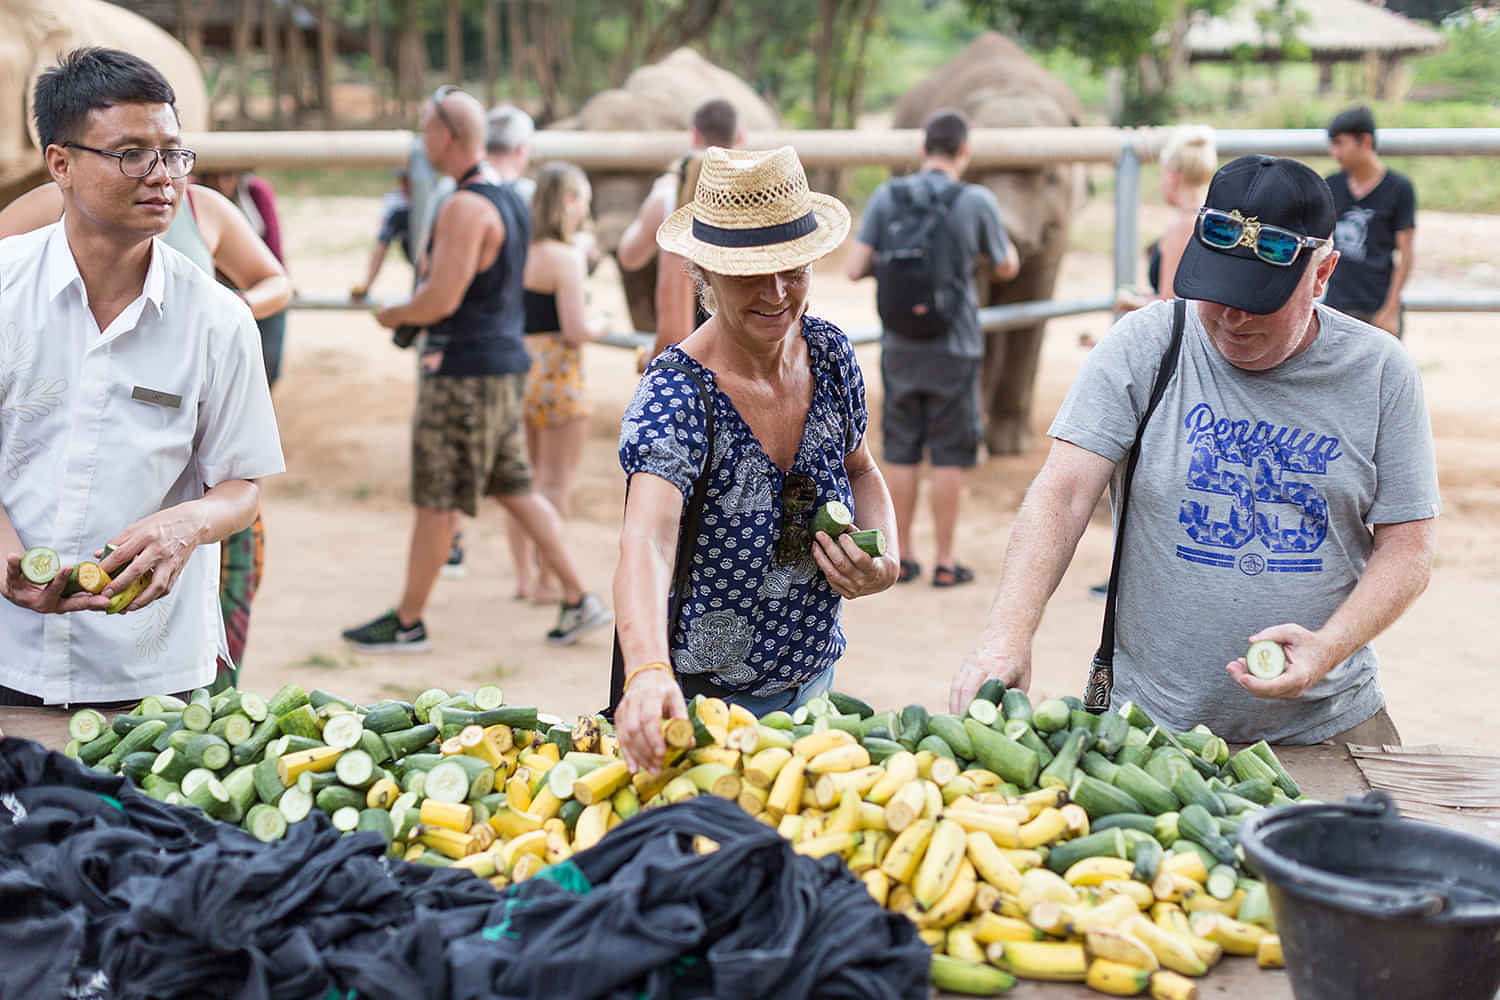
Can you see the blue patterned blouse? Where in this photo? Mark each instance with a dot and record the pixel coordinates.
(753, 625)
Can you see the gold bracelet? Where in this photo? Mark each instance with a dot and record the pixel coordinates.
(653, 665)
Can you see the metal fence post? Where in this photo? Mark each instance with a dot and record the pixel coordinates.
(1127, 216)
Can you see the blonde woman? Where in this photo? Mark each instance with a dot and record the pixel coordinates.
(557, 327)
(1188, 162)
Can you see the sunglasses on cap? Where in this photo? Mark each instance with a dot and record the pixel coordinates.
(1221, 230)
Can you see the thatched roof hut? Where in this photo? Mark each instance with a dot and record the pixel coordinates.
(1331, 30)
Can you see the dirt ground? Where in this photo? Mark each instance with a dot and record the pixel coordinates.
(338, 521)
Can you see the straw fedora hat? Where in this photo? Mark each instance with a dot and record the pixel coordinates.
(753, 214)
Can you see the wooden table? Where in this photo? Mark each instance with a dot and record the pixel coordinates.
(1324, 772)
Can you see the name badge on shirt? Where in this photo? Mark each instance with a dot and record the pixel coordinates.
(156, 397)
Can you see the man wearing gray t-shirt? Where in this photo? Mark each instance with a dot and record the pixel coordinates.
(1286, 488)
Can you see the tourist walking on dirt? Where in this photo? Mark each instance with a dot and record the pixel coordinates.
(467, 437)
(1377, 227)
(678, 311)
(734, 440)
(395, 227)
(133, 397)
(1188, 161)
(921, 237)
(1285, 488)
(557, 327)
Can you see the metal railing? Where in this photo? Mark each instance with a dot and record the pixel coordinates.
(1127, 149)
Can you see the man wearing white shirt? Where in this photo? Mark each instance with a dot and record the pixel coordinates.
(133, 407)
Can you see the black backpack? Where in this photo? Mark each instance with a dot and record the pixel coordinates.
(906, 284)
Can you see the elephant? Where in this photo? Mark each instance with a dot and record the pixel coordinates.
(33, 33)
(997, 85)
(657, 97)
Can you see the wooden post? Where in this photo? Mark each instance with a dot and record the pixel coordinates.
(375, 11)
(270, 32)
(411, 63)
(1325, 77)
(515, 47)
(244, 21)
(453, 41)
(297, 67)
(190, 27)
(491, 52)
(327, 61)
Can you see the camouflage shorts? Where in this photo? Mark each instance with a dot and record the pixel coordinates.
(468, 441)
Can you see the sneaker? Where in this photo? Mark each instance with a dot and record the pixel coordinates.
(454, 568)
(385, 635)
(574, 621)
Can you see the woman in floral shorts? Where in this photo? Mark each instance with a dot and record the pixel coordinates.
(557, 325)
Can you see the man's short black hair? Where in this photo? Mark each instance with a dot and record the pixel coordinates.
(90, 78)
(945, 133)
(717, 122)
(1355, 121)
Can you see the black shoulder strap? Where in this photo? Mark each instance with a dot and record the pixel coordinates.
(1101, 677)
(687, 538)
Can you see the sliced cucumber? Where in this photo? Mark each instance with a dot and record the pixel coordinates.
(343, 730)
(40, 564)
(448, 782)
(265, 823)
(871, 542)
(355, 768)
(983, 712)
(86, 725)
(1222, 881)
(560, 779)
(294, 805)
(833, 519)
(1266, 659)
(487, 697)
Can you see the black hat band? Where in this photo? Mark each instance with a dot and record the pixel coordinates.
(757, 236)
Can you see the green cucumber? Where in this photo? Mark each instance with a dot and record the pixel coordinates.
(514, 716)
(777, 720)
(992, 690)
(268, 786)
(1137, 755)
(938, 745)
(1005, 757)
(1150, 793)
(1058, 773)
(1099, 799)
(1196, 824)
(419, 762)
(1256, 790)
(372, 744)
(207, 750)
(1255, 908)
(212, 798)
(1126, 821)
(1050, 716)
(880, 750)
(317, 698)
(447, 782)
(252, 749)
(1166, 830)
(199, 713)
(1022, 733)
(294, 805)
(355, 768)
(240, 784)
(1147, 857)
(87, 725)
(913, 725)
(336, 797)
(1055, 740)
(870, 541)
(387, 717)
(1110, 730)
(96, 750)
(158, 787)
(426, 701)
(1016, 704)
(1104, 844)
(139, 738)
(1095, 765)
(137, 765)
(343, 731)
(833, 519)
(847, 704)
(1184, 846)
(233, 729)
(301, 721)
(1221, 882)
(983, 711)
(404, 742)
(171, 765)
(1082, 718)
(124, 724)
(950, 728)
(1266, 659)
(377, 821)
(1283, 778)
(1136, 716)
(1190, 787)
(288, 697)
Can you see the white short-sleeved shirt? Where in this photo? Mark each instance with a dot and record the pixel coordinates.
(98, 430)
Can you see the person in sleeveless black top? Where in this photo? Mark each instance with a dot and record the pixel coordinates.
(467, 439)
(557, 325)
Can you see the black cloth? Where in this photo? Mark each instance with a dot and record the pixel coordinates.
(541, 312)
(485, 334)
(1365, 237)
(105, 892)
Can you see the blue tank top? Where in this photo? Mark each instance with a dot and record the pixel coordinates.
(484, 335)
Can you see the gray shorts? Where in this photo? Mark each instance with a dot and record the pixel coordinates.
(932, 405)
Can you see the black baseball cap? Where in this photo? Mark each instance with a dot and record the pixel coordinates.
(1276, 191)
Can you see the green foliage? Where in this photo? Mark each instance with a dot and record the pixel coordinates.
(1425, 10)
(1105, 32)
(1465, 68)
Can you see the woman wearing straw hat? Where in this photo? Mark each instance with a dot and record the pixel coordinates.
(767, 405)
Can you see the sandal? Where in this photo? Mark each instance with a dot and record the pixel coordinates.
(952, 576)
(910, 570)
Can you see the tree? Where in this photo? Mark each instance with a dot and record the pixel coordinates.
(1144, 38)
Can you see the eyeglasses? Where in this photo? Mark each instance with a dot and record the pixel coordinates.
(139, 162)
(798, 495)
(1272, 244)
(437, 107)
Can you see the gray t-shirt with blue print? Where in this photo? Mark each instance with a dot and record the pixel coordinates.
(1252, 506)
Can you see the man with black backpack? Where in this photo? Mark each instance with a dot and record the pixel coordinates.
(921, 237)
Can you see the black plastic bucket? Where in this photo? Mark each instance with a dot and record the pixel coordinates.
(1371, 906)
